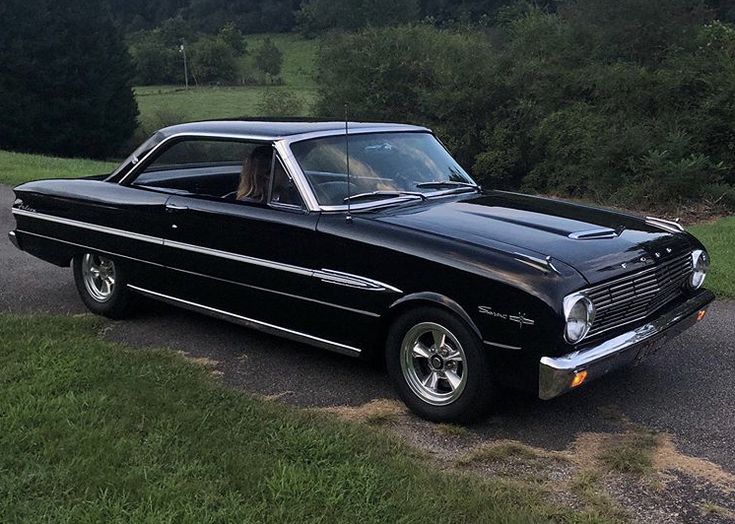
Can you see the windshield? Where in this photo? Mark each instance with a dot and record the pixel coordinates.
(382, 165)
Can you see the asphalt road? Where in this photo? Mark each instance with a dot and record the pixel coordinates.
(687, 390)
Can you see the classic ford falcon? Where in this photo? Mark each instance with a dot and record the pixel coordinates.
(370, 239)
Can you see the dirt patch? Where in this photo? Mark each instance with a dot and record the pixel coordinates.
(633, 475)
(204, 362)
(379, 411)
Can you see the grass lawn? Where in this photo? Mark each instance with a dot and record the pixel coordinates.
(16, 168)
(96, 432)
(719, 239)
(165, 105)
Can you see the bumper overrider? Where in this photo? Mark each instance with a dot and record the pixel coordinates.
(557, 375)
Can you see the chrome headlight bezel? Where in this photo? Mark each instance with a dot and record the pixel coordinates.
(577, 306)
(700, 266)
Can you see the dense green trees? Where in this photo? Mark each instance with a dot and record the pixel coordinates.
(630, 102)
(64, 79)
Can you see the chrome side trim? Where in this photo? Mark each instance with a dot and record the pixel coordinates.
(252, 323)
(91, 227)
(325, 275)
(90, 248)
(239, 258)
(556, 373)
(666, 225)
(259, 288)
(346, 279)
(499, 345)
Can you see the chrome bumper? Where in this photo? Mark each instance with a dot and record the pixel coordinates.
(14, 239)
(556, 374)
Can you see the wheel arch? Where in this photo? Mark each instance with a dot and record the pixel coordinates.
(424, 298)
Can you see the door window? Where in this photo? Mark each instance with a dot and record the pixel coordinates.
(226, 169)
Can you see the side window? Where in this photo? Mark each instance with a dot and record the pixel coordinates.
(227, 169)
(284, 190)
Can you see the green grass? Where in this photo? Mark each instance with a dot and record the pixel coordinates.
(168, 104)
(16, 168)
(719, 239)
(95, 432)
(632, 453)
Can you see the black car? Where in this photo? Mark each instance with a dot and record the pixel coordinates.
(370, 239)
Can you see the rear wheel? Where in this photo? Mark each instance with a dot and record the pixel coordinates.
(439, 366)
(101, 284)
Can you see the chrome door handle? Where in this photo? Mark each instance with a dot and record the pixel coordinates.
(174, 207)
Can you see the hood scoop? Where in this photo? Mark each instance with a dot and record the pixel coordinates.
(596, 234)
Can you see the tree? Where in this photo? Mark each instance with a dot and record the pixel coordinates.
(268, 58)
(232, 36)
(65, 79)
(155, 62)
(213, 60)
(321, 15)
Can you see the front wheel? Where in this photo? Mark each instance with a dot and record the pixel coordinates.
(439, 366)
(101, 284)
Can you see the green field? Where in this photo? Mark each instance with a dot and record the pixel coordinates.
(719, 238)
(165, 105)
(16, 168)
(96, 432)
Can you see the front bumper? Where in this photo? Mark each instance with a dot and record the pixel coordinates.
(557, 373)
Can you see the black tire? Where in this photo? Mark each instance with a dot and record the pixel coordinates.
(115, 305)
(475, 396)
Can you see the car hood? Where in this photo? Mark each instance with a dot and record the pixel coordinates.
(600, 244)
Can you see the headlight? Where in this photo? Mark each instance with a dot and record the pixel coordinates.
(579, 312)
(700, 264)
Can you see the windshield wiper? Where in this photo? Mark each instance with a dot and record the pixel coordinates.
(383, 194)
(447, 183)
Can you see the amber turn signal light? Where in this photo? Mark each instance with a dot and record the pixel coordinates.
(700, 314)
(579, 378)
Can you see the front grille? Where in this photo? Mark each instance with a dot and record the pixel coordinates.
(634, 297)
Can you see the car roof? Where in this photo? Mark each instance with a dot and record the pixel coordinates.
(282, 128)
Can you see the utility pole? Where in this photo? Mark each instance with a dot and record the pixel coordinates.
(182, 50)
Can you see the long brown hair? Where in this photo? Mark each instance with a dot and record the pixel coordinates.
(254, 175)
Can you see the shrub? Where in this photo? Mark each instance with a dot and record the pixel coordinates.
(572, 103)
(212, 60)
(280, 103)
(268, 58)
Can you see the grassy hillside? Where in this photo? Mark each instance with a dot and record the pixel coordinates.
(719, 238)
(94, 432)
(169, 104)
(16, 168)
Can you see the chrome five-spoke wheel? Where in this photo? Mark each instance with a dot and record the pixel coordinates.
(98, 274)
(433, 363)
